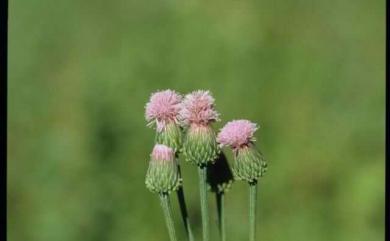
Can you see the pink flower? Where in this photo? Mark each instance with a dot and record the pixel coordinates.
(198, 108)
(162, 153)
(237, 133)
(163, 108)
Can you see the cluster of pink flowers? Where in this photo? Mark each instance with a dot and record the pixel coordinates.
(196, 108)
(169, 106)
(183, 130)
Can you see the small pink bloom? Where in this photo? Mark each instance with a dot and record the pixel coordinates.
(237, 133)
(162, 153)
(198, 108)
(163, 108)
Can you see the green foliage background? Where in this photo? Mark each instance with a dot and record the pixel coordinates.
(80, 72)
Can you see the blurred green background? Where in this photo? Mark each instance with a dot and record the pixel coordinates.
(311, 73)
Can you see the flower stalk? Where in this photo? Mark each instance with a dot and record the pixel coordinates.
(203, 202)
(252, 210)
(166, 206)
(220, 198)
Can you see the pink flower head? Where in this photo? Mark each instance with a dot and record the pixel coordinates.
(237, 133)
(162, 153)
(198, 108)
(163, 108)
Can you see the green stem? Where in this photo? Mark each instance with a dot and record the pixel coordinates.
(252, 211)
(203, 202)
(221, 215)
(166, 206)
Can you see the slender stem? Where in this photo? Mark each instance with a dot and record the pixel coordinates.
(252, 211)
(221, 215)
(183, 210)
(166, 206)
(203, 202)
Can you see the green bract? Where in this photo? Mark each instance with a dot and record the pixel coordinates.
(200, 146)
(249, 164)
(170, 136)
(162, 176)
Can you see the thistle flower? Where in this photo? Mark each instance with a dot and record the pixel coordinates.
(162, 111)
(163, 108)
(236, 134)
(198, 109)
(200, 146)
(197, 113)
(249, 163)
(162, 175)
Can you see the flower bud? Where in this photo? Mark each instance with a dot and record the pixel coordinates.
(249, 164)
(200, 146)
(162, 175)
